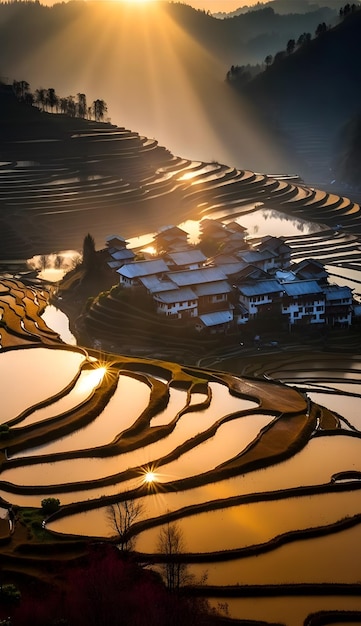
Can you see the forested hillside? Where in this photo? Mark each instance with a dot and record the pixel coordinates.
(310, 92)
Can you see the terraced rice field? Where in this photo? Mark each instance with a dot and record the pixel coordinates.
(114, 181)
(258, 461)
(262, 477)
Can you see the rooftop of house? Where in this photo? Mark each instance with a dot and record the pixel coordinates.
(216, 318)
(260, 288)
(185, 257)
(176, 295)
(273, 243)
(336, 292)
(114, 239)
(212, 289)
(121, 255)
(143, 268)
(302, 287)
(197, 277)
(154, 284)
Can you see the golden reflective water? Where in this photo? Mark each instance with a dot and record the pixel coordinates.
(332, 558)
(129, 400)
(43, 372)
(258, 522)
(290, 610)
(329, 557)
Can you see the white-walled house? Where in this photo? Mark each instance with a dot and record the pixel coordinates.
(304, 302)
(130, 273)
(259, 294)
(185, 284)
(212, 296)
(179, 303)
(209, 284)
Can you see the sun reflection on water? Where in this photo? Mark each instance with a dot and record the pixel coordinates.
(92, 379)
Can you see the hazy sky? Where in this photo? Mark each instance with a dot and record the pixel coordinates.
(212, 5)
(219, 5)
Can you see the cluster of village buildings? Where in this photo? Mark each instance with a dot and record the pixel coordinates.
(240, 283)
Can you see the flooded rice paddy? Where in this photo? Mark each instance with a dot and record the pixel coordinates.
(266, 491)
(291, 521)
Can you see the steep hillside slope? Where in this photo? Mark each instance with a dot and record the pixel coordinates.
(62, 177)
(312, 93)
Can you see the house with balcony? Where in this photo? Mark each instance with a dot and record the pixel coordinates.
(212, 290)
(303, 302)
(209, 283)
(338, 308)
(258, 297)
(170, 300)
(232, 287)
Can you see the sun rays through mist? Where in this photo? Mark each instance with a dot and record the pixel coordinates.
(155, 77)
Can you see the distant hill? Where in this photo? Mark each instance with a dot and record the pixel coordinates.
(285, 6)
(312, 93)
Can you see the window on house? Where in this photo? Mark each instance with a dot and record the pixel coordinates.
(319, 308)
(309, 309)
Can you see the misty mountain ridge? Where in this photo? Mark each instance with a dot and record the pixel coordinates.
(311, 94)
(287, 6)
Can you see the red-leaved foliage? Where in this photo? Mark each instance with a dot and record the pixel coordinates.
(105, 589)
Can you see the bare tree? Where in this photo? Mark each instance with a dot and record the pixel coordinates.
(171, 545)
(121, 516)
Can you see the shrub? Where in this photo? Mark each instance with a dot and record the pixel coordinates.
(50, 505)
(9, 594)
(4, 431)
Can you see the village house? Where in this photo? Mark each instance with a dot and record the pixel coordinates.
(130, 274)
(209, 284)
(338, 311)
(117, 252)
(279, 252)
(180, 303)
(310, 269)
(191, 259)
(258, 296)
(171, 239)
(303, 302)
(216, 322)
